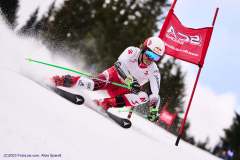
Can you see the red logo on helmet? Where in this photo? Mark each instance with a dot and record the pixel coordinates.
(157, 50)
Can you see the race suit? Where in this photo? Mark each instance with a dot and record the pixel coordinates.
(127, 65)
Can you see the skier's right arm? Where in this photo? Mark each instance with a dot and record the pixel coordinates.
(121, 64)
(122, 70)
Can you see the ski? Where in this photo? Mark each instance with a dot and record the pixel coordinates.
(79, 100)
(123, 122)
(74, 98)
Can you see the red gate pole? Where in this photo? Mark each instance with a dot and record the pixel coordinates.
(192, 94)
(215, 16)
(188, 107)
(174, 3)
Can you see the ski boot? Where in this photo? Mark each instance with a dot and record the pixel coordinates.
(65, 81)
(107, 103)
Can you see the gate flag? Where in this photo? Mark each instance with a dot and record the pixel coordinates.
(184, 43)
(187, 44)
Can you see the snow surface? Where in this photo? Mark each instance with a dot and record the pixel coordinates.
(36, 121)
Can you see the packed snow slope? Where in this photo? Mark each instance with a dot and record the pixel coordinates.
(36, 121)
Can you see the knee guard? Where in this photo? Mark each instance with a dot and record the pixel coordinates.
(136, 99)
(85, 83)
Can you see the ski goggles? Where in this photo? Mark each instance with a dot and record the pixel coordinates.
(152, 56)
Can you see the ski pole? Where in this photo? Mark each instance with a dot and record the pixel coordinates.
(78, 72)
(130, 113)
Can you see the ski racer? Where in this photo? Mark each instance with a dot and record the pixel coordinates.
(135, 66)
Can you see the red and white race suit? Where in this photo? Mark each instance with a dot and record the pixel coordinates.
(127, 66)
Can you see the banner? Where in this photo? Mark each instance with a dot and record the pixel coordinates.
(187, 44)
(184, 43)
(166, 117)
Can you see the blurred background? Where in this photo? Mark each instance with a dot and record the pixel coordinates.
(95, 32)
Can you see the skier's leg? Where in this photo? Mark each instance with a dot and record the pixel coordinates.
(133, 100)
(129, 99)
(116, 102)
(65, 80)
(80, 82)
(141, 98)
(100, 82)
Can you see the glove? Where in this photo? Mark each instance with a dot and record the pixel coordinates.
(154, 100)
(133, 84)
(128, 80)
(135, 87)
(153, 114)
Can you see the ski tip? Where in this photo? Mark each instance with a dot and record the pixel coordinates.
(79, 100)
(126, 124)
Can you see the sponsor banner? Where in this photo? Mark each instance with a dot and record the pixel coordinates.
(167, 117)
(184, 43)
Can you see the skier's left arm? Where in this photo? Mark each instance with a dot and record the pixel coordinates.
(155, 79)
(154, 98)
